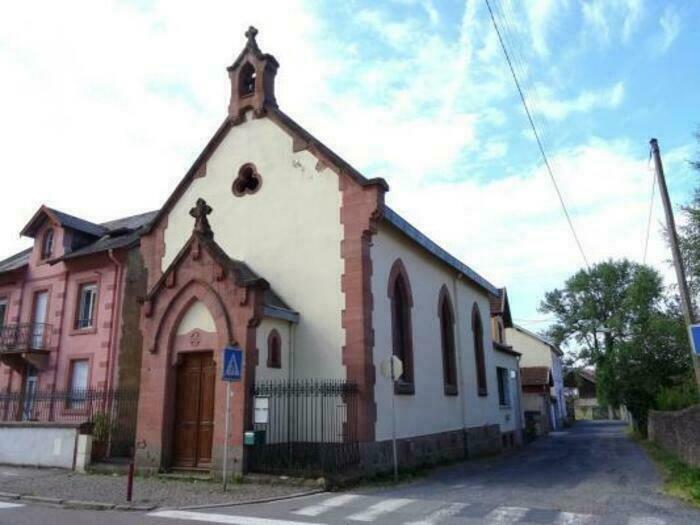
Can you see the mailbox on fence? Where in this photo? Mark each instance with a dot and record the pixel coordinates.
(254, 437)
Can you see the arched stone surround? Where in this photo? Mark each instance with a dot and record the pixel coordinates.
(198, 273)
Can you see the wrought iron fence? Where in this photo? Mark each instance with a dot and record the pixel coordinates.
(304, 426)
(112, 414)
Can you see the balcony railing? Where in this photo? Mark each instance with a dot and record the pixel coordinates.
(25, 337)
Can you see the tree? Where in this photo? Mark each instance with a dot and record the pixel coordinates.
(618, 319)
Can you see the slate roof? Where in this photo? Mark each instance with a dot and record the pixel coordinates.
(16, 261)
(76, 223)
(536, 376)
(64, 219)
(426, 243)
(120, 233)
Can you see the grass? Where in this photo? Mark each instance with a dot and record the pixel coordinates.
(681, 480)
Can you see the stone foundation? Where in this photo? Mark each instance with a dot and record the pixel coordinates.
(431, 449)
(677, 432)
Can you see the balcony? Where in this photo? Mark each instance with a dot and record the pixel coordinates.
(25, 343)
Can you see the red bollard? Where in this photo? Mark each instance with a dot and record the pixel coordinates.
(130, 481)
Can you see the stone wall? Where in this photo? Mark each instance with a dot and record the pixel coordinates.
(431, 449)
(677, 432)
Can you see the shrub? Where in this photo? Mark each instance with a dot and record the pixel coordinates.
(678, 397)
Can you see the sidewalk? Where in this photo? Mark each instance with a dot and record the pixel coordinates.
(60, 486)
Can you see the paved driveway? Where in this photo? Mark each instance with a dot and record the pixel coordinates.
(592, 474)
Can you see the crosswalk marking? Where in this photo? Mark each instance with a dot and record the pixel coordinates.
(383, 507)
(5, 505)
(220, 518)
(571, 518)
(326, 505)
(505, 515)
(440, 514)
(647, 520)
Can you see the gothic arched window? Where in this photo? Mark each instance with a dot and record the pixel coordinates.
(478, 333)
(402, 340)
(447, 336)
(274, 350)
(246, 80)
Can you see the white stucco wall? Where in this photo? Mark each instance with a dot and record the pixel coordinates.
(38, 445)
(263, 372)
(429, 410)
(197, 317)
(538, 353)
(289, 232)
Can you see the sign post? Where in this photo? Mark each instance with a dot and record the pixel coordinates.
(233, 368)
(392, 369)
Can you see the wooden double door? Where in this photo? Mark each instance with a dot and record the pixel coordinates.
(194, 411)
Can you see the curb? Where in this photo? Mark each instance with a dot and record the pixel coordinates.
(101, 505)
(253, 501)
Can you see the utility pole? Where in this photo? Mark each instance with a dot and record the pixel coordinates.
(675, 249)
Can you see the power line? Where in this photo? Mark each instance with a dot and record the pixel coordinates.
(651, 211)
(537, 136)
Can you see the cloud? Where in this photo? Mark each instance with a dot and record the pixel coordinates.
(670, 23)
(603, 19)
(512, 229)
(585, 101)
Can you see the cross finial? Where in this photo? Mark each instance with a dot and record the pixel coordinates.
(251, 33)
(201, 223)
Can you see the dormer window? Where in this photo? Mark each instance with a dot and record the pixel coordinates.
(47, 244)
(246, 83)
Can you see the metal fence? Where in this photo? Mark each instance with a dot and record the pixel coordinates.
(112, 414)
(307, 427)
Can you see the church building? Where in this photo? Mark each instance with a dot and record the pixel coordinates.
(273, 243)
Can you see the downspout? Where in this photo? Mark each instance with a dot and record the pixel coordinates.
(116, 307)
(458, 317)
(291, 350)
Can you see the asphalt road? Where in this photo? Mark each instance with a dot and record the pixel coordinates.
(592, 474)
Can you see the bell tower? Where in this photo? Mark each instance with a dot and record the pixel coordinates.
(252, 80)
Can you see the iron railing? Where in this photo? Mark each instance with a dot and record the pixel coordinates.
(304, 426)
(24, 337)
(111, 413)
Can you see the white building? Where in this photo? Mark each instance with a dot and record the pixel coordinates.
(539, 352)
(296, 258)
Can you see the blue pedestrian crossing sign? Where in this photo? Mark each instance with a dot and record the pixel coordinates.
(695, 337)
(233, 363)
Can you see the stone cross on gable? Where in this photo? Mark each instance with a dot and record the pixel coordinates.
(251, 33)
(201, 223)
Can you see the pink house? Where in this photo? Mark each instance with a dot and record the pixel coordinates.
(69, 317)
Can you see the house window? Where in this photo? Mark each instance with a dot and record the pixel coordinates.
(478, 333)
(78, 382)
(3, 313)
(500, 332)
(47, 244)
(274, 350)
(87, 301)
(449, 366)
(246, 83)
(503, 386)
(248, 181)
(402, 345)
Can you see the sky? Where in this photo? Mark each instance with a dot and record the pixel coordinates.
(105, 105)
